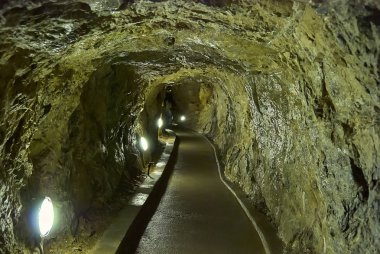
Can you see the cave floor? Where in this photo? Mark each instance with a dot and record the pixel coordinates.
(197, 213)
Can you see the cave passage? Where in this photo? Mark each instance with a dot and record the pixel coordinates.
(287, 92)
(198, 214)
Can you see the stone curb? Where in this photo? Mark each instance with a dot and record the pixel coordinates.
(257, 219)
(241, 203)
(125, 229)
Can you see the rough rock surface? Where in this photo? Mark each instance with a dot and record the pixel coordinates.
(288, 91)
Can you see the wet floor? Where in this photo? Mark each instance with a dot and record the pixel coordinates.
(197, 213)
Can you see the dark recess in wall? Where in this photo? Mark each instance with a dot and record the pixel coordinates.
(357, 174)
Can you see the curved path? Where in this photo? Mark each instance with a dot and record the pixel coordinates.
(197, 213)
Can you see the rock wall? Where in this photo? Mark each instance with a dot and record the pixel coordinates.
(300, 132)
(70, 122)
(288, 91)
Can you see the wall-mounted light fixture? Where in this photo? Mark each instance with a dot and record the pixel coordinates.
(46, 217)
(182, 118)
(43, 219)
(144, 143)
(160, 123)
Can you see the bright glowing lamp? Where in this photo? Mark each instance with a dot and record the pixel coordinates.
(182, 118)
(45, 217)
(160, 122)
(144, 143)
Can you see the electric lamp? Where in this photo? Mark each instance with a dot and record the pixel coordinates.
(160, 123)
(144, 143)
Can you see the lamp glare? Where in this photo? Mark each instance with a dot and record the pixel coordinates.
(160, 122)
(144, 143)
(46, 217)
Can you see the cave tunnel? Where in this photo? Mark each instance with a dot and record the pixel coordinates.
(177, 126)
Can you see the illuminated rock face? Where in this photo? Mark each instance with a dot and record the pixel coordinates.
(288, 92)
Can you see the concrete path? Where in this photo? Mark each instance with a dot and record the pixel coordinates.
(197, 213)
(146, 195)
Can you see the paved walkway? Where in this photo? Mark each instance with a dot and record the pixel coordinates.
(197, 213)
